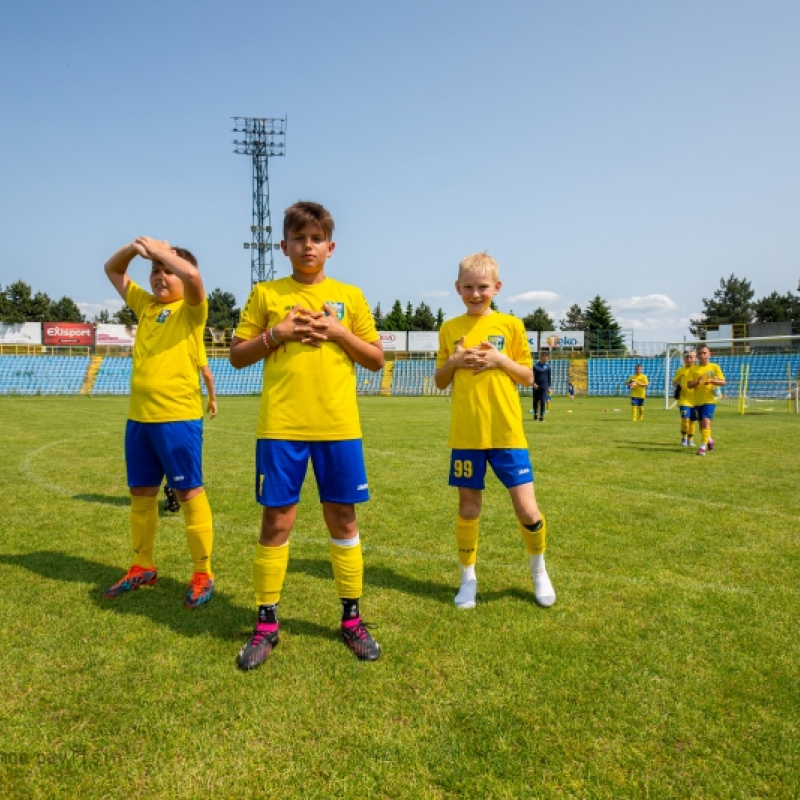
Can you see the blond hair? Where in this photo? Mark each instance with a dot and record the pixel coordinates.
(481, 265)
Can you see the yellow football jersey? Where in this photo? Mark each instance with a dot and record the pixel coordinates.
(165, 386)
(687, 394)
(704, 394)
(309, 393)
(640, 384)
(486, 411)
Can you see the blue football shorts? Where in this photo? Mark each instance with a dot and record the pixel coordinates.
(156, 449)
(689, 412)
(468, 467)
(705, 411)
(281, 467)
(637, 401)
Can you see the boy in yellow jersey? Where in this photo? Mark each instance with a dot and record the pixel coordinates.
(702, 379)
(685, 397)
(484, 354)
(637, 383)
(311, 331)
(164, 433)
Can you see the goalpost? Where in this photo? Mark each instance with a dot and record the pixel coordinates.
(762, 373)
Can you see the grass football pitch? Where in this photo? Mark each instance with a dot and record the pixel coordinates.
(668, 668)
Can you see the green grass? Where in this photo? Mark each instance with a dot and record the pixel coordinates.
(668, 668)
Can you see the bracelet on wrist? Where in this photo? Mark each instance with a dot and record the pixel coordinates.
(275, 342)
(266, 341)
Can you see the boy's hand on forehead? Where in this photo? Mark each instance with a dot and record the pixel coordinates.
(151, 248)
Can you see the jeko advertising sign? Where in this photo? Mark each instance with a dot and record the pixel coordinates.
(557, 340)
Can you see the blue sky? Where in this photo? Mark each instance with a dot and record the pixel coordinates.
(639, 151)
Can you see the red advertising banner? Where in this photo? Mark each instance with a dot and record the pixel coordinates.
(68, 333)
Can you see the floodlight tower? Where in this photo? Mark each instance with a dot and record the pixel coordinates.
(264, 137)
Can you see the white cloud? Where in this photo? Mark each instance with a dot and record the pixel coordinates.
(649, 302)
(91, 310)
(533, 297)
(436, 293)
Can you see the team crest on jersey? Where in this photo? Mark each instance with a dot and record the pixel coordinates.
(162, 317)
(497, 341)
(339, 308)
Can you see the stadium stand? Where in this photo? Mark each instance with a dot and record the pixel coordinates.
(368, 382)
(65, 375)
(607, 376)
(31, 375)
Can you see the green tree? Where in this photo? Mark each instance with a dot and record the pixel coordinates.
(125, 316)
(439, 318)
(539, 320)
(777, 308)
(423, 319)
(409, 317)
(604, 332)
(65, 310)
(395, 320)
(103, 317)
(380, 320)
(24, 306)
(732, 303)
(222, 310)
(9, 314)
(574, 320)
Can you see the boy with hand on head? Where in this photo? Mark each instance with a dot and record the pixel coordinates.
(164, 433)
(485, 354)
(311, 331)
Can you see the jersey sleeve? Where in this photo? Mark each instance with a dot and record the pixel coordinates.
(136, 299)
(520, 350)
(444, 347)
(252, 320)
(363, 322)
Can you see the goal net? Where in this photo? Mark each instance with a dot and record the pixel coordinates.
(761, 373)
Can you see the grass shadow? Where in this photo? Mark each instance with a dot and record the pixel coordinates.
(163, 603)
(380, 577)
(105, 499)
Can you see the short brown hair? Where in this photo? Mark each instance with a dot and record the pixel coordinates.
(305, 212)
(186, 255)
(480, 264)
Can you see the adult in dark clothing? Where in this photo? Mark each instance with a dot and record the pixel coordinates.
(541, 384)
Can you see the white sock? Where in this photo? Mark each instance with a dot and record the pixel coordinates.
(468, 589)
(543, 589)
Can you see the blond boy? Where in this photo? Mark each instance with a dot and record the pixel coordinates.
(485, 355)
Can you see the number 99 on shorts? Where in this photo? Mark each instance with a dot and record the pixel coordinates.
(462, 468)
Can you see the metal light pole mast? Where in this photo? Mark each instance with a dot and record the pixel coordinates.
(263, 137)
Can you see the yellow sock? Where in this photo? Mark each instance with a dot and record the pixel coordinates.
(269, 570)
(633, 413)
(144, 521)
(690, 428)
(199, 531)
(641, 413)
(684, 427)
(535, 541)
(467, 540)
(705, 435)
(348, 567)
